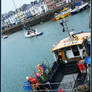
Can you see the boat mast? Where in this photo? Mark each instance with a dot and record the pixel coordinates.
(17, 14)
(67, 29)
(16, 9)
(90, 18)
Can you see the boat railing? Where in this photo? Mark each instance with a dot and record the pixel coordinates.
(67, 86)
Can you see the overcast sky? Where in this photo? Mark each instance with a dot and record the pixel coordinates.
(7, 5)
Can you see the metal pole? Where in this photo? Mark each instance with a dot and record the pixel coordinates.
(66, 27)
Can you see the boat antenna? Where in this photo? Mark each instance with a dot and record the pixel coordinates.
(15, 9)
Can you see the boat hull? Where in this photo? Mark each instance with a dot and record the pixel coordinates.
(64, 15)
(78, 9)
(37, 34)
(5, 36)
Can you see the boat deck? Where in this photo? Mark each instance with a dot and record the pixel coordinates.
(65, 76)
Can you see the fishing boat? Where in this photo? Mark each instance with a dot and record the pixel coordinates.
(32, 33)
(79, 8)
(64, 13)
(73, 47)
(68, 71)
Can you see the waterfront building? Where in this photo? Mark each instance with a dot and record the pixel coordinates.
(20, 15)
(60, 2)
(68, 1)
(9, 19)
(42, 8)
(6, 20)
(26, 10)
(51, 4)
(38, 8)
(3, 23)
(28, 14)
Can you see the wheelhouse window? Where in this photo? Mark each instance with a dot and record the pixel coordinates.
(81, 46)
(68, 48)
(75, 50)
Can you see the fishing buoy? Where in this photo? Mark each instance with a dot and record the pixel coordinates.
(27, 77)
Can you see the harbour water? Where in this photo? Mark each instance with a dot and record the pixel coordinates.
(19, 55)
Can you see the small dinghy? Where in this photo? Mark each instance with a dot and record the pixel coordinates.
(5, 36)
(32, 33)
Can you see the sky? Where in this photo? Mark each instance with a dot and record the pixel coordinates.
(7, 5)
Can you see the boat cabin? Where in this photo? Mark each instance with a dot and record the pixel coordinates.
(72, 48)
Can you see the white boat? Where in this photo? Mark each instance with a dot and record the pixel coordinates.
(31, 33)
(73, 48)
(79, 8)
(5, 36)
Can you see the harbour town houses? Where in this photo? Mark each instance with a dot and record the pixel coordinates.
(26, 11)
(53, 4)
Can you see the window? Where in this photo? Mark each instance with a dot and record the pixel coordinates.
(68, 48)
(80, 46)
(75, 50)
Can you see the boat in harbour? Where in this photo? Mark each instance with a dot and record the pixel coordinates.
(70, 54)
(32, 33)
(64, 13)
(5, 36)
(79, 8)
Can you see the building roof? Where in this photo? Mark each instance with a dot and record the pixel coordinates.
(67, 42)
(25, 7)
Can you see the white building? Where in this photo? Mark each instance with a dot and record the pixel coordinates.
(67, 1)
(18, 15)
(38, 9)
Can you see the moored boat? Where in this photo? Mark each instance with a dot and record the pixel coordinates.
(5, 36)
(64, 13)
(79, 8)
(32, 33)
(73, 47)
